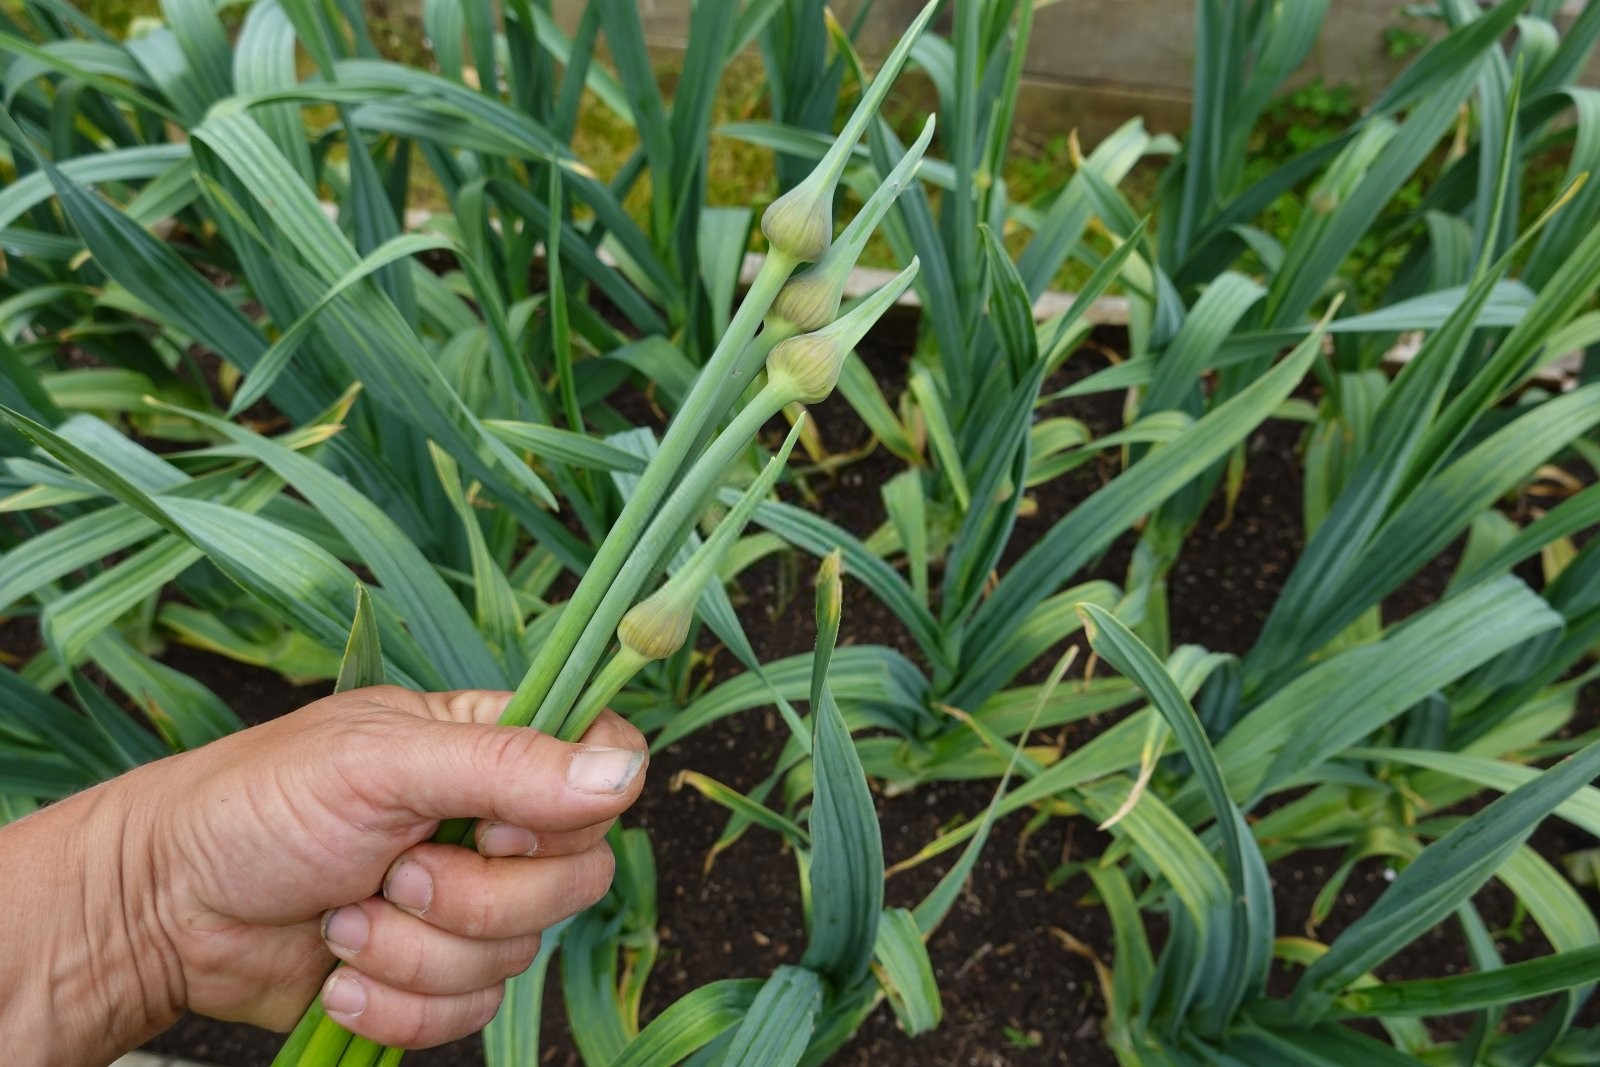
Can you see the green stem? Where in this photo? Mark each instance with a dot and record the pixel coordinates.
(617, 672)
(699, 408)
(641, 563)
(361, 1053)
(299, 1038)
(746, 383)
(327, 1043)
(747, 368)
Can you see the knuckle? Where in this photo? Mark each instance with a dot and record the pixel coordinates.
(360, 744)
(364, 730)
(460, 703)
(477, 914)
(508, 753)
(448, 1018)
(464, 705)
(418, 1029)
(374, 711)
(519, 764)
(429, 1021)
(387, 694)
(411, 965)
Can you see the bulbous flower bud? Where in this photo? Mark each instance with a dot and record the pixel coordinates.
(800, 222)
(810, 299)
(807, 367)
(657, 626)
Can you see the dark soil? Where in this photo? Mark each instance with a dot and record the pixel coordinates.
(1013, 993)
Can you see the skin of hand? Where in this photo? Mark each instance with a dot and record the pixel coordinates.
(229, 880)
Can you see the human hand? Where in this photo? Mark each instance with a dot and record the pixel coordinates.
(249, 866)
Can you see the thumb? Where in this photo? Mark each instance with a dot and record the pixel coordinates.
(459, 768)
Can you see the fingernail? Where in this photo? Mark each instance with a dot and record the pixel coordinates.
(596, 769)
(344, 995)
(503, 839)
(409, 886)
(346, 928)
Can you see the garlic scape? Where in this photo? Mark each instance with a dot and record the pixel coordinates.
(693, 458)
(657, 626)
(810, 299)
(807, 367)
(799, 223)
(803, 369)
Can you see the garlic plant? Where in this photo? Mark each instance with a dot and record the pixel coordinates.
(220, 131)
(657, 626)
(410, 395)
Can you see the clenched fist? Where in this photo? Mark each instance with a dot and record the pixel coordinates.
(228, 880)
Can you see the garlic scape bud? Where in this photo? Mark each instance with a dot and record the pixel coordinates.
(830, 591)
(663, 618)
(807, 367)
(799, 224)
(830, 605)
(810, 299)
(658, 625)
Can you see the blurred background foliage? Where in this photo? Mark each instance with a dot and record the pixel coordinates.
(741, 173)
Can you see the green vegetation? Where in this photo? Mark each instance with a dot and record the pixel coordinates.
(244, 407)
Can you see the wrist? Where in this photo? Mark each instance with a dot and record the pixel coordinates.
(97, 974)
(135, 941)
